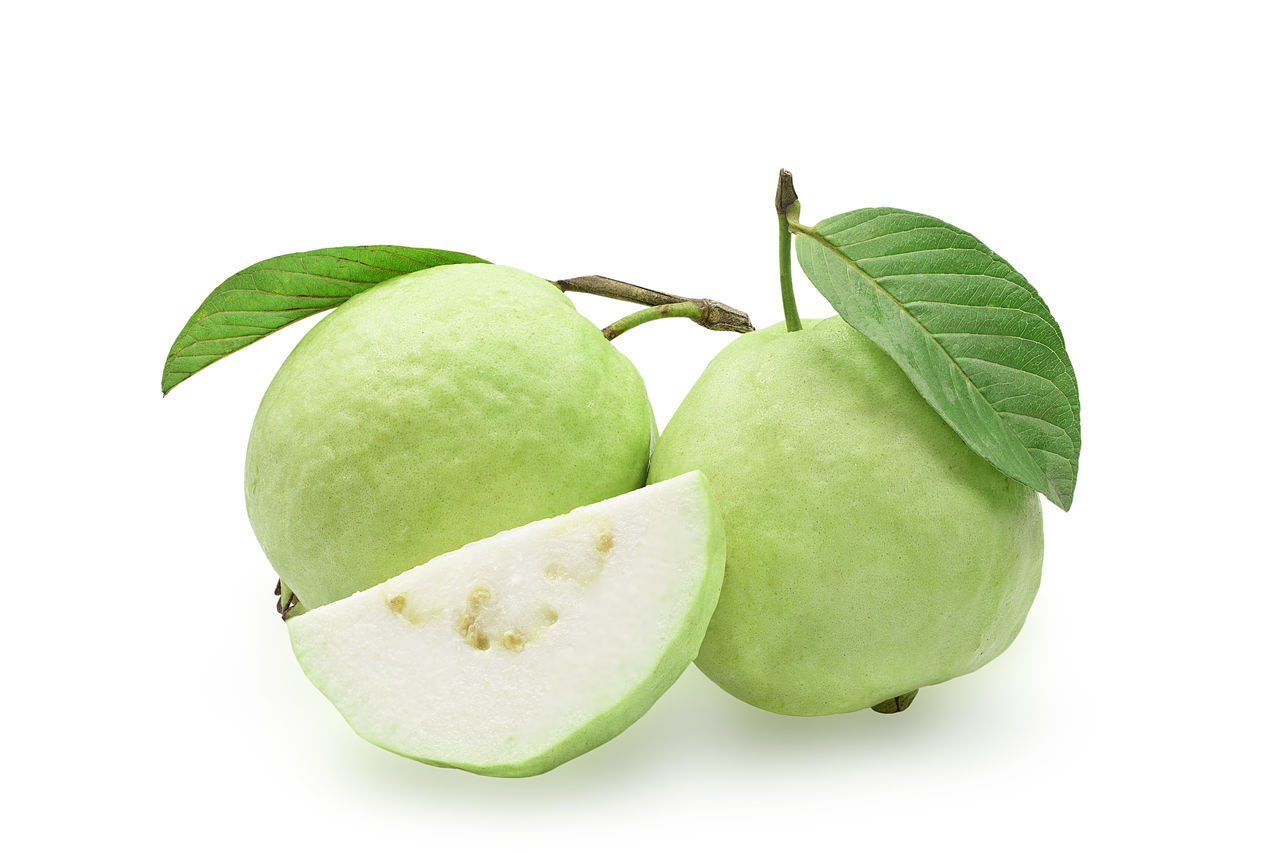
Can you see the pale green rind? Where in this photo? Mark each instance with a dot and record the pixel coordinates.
(676, 657)
(435, 409)
(870, 551)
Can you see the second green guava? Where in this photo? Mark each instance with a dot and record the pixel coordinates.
(870, 551)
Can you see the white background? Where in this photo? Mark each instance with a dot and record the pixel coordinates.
(1120, 155)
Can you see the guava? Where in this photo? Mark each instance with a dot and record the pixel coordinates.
(524, 650)
(870, 551)
(433, 410)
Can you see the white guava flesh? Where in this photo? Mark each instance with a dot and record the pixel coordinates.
(518, 652)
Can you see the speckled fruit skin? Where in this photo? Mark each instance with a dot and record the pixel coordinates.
(433, 410)
(870, 551)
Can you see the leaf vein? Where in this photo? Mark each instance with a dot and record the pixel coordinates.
(854, 264)
(277, 293)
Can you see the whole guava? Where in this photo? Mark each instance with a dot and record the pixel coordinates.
(432, 410)
(870, 551)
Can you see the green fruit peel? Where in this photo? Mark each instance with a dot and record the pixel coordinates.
(433, 410)
(870, 551)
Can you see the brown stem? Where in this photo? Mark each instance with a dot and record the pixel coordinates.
(785, 198)
(712, 314)
(896, 705)
(287, 600)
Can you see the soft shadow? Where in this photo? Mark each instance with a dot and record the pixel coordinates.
(697, 718)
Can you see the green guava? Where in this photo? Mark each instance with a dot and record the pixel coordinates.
(521, 651)
(432, 410)
(870, 551)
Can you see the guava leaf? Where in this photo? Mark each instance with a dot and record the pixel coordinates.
(271, 294)
(972, 334)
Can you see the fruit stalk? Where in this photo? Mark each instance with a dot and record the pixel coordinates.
(286, 600)
(711, 314)
(896, 704)
(788, 206)
(705, 312)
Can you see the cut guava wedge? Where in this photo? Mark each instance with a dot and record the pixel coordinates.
(516, 653)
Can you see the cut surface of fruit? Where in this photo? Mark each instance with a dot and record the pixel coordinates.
(516, 653)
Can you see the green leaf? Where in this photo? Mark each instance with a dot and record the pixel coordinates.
(269, 295)
(972, 334)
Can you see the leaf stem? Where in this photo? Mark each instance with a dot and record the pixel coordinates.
(797, 228)
(788, 206)
(705, 312)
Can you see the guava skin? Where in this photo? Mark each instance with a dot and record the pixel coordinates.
(430, 411)
(870, 551)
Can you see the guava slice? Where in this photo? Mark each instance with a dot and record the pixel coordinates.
(516, 653)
